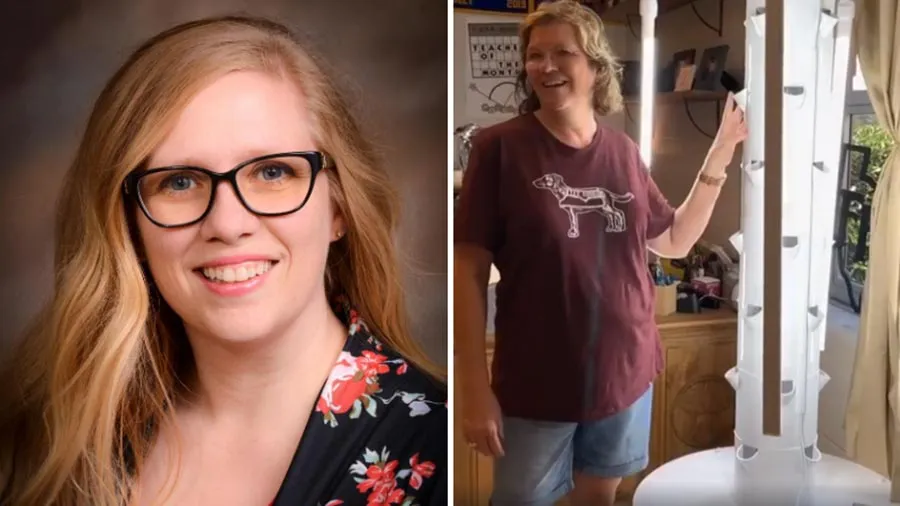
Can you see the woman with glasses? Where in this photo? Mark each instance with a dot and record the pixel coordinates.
(566, 209)
(227, 325)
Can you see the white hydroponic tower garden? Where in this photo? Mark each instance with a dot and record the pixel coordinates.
(797, 55)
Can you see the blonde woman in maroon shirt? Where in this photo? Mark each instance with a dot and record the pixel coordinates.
(566, 210)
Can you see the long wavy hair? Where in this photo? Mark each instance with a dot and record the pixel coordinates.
(106, 357)
(591, 36)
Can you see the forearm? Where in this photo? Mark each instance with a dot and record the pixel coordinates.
(469, 324)
(692, 216)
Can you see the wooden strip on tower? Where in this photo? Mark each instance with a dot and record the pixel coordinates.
(774, 83)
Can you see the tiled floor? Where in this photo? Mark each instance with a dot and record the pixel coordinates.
(837, 360)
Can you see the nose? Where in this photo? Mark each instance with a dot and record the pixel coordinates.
(228, 221)
(547, 64)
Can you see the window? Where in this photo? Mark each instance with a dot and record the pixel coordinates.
(859, 83)
(861, 129)
(857, 94)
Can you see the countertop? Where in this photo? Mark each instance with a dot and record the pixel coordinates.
(674, 321)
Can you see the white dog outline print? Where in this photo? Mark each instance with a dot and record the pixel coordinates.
(578, 201)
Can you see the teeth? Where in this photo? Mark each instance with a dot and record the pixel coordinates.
(236, 273)
(555, 83)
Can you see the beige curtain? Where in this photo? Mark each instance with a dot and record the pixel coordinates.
(873, 409)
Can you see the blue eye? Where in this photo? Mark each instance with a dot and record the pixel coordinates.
(177, 182)
(272, 172)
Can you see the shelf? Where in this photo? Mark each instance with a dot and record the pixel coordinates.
(686, 98)
(683, 96)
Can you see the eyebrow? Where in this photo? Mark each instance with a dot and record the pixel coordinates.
(194, 161)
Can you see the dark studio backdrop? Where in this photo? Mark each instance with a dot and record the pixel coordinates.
(56, 56)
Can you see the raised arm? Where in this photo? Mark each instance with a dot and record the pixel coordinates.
(692, 216)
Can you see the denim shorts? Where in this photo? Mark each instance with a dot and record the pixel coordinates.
(540, 457)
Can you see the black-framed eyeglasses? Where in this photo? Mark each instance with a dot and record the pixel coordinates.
(269, 185)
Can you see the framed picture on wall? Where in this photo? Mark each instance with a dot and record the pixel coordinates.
(675, 71)
(668, 76)
(684, 77)
(685, 57)
(710, 68)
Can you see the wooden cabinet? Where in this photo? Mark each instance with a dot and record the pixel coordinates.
(693, 404)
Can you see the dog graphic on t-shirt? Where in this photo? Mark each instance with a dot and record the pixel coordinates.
(578, 201)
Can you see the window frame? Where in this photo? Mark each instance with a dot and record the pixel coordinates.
(857, 103)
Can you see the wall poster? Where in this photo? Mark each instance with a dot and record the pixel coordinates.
(494, 64)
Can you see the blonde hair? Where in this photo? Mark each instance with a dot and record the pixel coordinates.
(107, 355)
(592, 40)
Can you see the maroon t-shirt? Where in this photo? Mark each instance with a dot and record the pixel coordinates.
(576, 338)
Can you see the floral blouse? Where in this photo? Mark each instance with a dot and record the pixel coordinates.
(378, 434)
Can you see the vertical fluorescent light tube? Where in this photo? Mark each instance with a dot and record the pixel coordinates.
(648, 77)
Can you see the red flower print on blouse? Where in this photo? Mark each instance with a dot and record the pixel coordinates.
(354, 383)
(380, 479)
(420, 471)
(372, 364)
(350, 385)
(377, 435)
(378, 475)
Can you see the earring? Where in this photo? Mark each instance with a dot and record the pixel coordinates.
(339, 234)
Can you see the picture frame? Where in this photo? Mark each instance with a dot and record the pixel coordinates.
(684, 77)
(709, 71)
(669, 74)
(685, 57)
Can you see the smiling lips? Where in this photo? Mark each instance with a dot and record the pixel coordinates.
(238, 272)
(554, 84)
(235, 276)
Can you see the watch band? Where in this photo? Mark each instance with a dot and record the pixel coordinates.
(712, 181)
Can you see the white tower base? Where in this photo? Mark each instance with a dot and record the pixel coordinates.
(707, 478)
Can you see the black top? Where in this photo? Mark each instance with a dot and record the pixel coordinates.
(378, 434)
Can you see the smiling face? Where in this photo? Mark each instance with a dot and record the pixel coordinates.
(234, 275)
(557, 68)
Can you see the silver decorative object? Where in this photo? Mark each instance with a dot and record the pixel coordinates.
(463, 141)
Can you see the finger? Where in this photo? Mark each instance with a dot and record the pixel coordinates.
(475, 440)
(495, 445)
(738, 118)
(479, 440)
(729, 106)
(471, 434)
(480, 445)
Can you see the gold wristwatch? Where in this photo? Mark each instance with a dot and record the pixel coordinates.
(712, 181)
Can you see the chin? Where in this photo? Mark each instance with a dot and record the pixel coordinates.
(554, 103)
(239, 326)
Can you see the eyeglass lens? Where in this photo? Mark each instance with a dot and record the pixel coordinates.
(271, 186)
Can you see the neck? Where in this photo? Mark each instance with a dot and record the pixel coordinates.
(575, 126)
(274, 376)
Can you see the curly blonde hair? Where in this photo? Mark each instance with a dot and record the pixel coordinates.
(591, 36)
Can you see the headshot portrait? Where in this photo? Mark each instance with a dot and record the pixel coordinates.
(225, 273)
